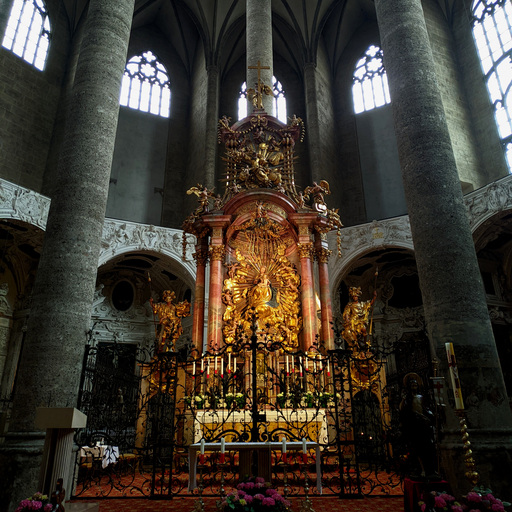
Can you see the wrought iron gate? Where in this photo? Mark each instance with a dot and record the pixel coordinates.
(148, 412)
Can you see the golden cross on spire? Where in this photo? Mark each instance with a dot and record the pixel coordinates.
(259, 67)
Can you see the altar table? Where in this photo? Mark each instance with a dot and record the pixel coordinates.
(245, 450)
(107, 454)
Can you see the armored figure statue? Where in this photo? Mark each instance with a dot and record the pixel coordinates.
(417, 422)
(356, 319)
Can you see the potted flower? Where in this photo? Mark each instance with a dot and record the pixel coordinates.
(254, 495)
(38, 502)
(240, 399)
(230, 400)
(308, 400)
(281, 400)
(195, 401)
(479, 499)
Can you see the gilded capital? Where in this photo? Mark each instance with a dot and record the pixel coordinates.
(201, 256)
(217, 252)
(305, 250)
(322, 254)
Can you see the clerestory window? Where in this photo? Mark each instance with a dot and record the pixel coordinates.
(279, 103)
(492, 30)
(28, 32)
(369, 82)
(146, 85)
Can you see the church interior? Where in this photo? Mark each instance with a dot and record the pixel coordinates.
(255, 237)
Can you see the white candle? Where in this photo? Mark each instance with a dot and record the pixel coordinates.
(194, 369)
(222, 445)
(202, 363)
(307, 363)
(234, 364)
(222, 366)
(321, 365)
(202, 446)
(304, 449)
(287, 365)
(454, 374)
(283, 449)
(215, 364)
(293, 364)
(208, 369)
(229, 362)
(328, 367)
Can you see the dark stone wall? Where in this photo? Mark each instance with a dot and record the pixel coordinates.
(29, 101)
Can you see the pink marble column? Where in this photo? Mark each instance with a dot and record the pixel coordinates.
(201, 257)
(308, 294)
(215, 297)
(217, 223)
(322, 254)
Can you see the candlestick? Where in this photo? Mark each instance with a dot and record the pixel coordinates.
(222, 449)
(283, 449)
(304, 451)
(328, 368)
(293, 364)
(454, 374)
(202, 446)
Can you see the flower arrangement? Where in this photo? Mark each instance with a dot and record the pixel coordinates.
(479, 499)
(38, 502)
(254, 495)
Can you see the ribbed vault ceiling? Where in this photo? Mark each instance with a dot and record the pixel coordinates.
(218, 26)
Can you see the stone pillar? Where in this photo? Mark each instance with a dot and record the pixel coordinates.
(313, 134)
(51, 362)
(307, 294)
(259, 46)
(212, 120)
(322, 253)
(201, 257)
(5, 12)
(450, 281)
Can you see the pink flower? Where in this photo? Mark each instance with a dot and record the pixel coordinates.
(457, 508)
(249, 499)
(439, 502)
(423, 507)
(249, 485)
(269, 502)
(48, 507)
(474, 497)
(498, 507)
(259, 485)
(448, 497)
(259, 497)
(259, 480)
(271, 492)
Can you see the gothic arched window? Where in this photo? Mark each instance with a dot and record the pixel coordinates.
(370, 83)
(279, 103)
(492, 29)
(28, 32)
(146, 85)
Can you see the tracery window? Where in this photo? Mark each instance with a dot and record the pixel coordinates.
(369, 82)
(28, 32)
(492, 29)
(146, 85)
(279, 103)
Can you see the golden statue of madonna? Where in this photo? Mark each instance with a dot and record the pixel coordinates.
(356, 319)
(169, 319)
(264, 291)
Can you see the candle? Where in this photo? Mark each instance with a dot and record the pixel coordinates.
(283, 449)
(293, 364)
(229, 362)
(215, 364)
(321, 365)
(304, 451)
(222, 449)
(222, 367)
(328, 367)
(287, 366)
(300, 365)
(307, 363)
(202, 446)
(208, 369)
(202, 363)
(234, 364)
(194, 368)
(454, 375)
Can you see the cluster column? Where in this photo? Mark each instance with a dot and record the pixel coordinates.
(322, 253)
(450, 281)
(51, 362)
(201, 257)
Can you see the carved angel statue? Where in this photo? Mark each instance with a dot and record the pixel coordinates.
(317, 191)
(356, 318)
(256, 95)
(203, 196)
(169, 319)
(265, 292)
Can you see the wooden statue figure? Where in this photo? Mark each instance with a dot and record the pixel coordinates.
(356, 319)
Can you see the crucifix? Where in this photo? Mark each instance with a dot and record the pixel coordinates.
(256, 95)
